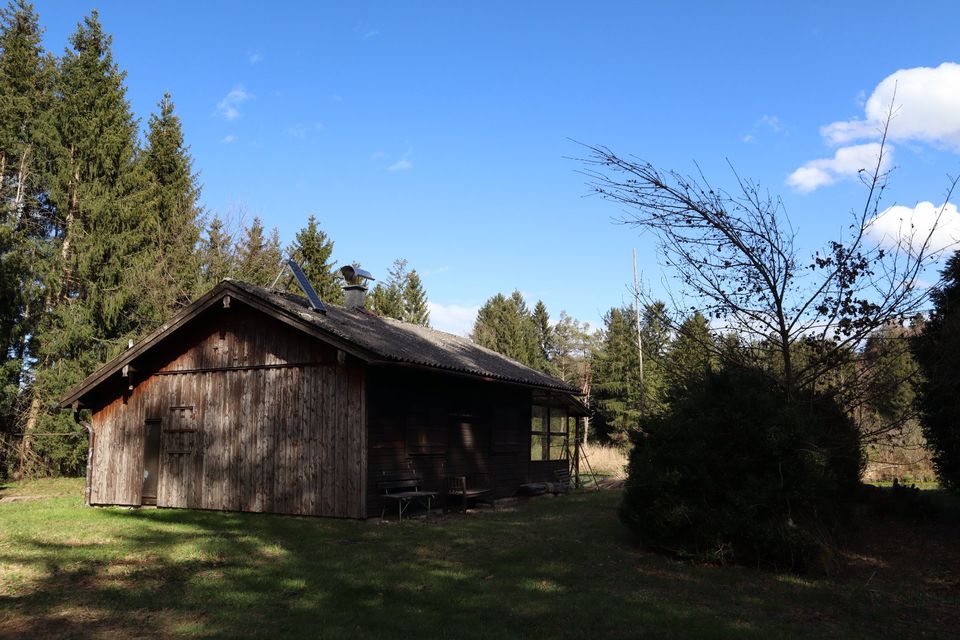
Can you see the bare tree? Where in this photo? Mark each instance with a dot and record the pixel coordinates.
(734, 252)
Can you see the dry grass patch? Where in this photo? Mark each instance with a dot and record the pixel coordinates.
(606, 460)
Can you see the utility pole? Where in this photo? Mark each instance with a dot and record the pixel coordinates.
(636, 309)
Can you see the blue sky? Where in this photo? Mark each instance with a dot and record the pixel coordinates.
(442, 132)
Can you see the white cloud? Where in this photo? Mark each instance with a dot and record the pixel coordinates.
(911, 226)
(229, 107)
(403, 164)
(926, 102)
(372, 33)
(773, 123)
(765, 123)
(254, 56)
(846, 162)
(229, 138)
(297, 131)
(378, 155)
(301, 130)
(435, 272)
(926, 106)
(454, 318)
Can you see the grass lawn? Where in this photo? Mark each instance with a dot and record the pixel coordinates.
(546, 568)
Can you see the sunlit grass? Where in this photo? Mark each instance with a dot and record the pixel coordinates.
(545, 568)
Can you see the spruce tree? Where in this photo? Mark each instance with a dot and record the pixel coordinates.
(218, 258)
(690, 357)
(312, 249)
(937, 352)
(386, 299)
(616, 394)
(97, 192)
(26, 75)
(415, 308)
(507, 326)
(543, 338)
(401, 296)
(258, 256)
(172, 215)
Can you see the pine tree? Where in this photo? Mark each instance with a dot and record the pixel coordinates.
(26, 76)
(386, 299)
(937, 352)
(93, 293)
(543, 338)
(218, 257)
(258, 257)
(691, 356)
(415, 308)
(507, 326)
(401, 296)
(572, 353)
(616, 394)
(172, 215)
(312, 249)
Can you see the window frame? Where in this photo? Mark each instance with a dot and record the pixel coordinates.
(546, 438)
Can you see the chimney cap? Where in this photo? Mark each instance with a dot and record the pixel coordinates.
(355, 275)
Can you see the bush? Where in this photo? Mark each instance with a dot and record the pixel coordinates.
(900, 502)
(735, 473)
(936, 350)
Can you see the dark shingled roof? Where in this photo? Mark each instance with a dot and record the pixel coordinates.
(373, 338)
(404, 342)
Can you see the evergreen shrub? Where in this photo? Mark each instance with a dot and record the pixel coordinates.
(734, 473)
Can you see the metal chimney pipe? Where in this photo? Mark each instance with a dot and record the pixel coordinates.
(354, 296)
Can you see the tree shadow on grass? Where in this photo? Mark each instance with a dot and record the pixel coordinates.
(561, 568)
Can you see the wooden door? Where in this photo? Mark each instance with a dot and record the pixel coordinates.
(182, 456)
(151, 460)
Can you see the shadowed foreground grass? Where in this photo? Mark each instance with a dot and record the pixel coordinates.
(548, 568)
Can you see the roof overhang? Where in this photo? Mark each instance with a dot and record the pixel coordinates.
(75, 397)
(227, 292)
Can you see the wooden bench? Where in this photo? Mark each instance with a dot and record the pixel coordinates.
(403, 487)
(475, 486)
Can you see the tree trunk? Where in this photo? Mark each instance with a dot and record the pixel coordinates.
(72, 215)
(33, 415)
(21, 181)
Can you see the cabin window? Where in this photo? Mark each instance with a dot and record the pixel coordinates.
(548, 433)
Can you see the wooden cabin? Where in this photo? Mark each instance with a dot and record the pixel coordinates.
(252, 400)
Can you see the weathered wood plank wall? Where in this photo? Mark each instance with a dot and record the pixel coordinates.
(254, 417)
(442, 427)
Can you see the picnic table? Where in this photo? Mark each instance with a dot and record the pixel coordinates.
(403, 488)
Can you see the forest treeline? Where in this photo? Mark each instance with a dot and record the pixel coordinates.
(676, 354)
(103, 237)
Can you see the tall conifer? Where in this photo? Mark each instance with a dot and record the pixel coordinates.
(172, 215)
(26, 75)
(258, 256)
(218, 258)
(507, 326)
(415, 308)
(401, 296)
(94, 291)
(312, 249)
